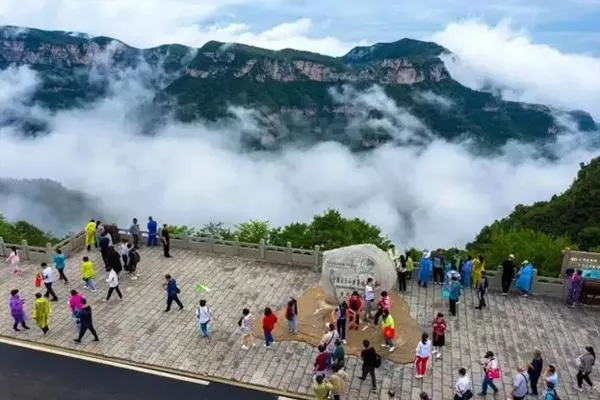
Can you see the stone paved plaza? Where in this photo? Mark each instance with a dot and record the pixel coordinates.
(138, 329)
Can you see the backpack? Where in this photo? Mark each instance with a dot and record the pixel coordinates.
(377, 360)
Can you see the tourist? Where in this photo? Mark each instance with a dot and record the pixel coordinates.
(491, 371)
(246, 323)
(328, 340)
(321, 361)
(48, 280)
(339, 380)
(85, 322)
(124, 253)
(575, 287)
(204, 315)
(355, 307)
(524, 278)
(410, 266)
(339, 355)
(369, 299)
(520, 384)
(165, 239)
(99, 231)
(134, 259)
(371, 360)
(392, 395)
(152, 232)
(482, 288)
(13, 260)
(75, 304)
(291, 314)
(453, 295)
(550, 392)
(173, 291)
(384, 303)
(424, 396)
(423, 352)
(389, 330)
(135, 232)
(59, 264)
(508, 273)
(402, 272)
(551, 376)
(90, 235)
(321, 388)
(113, 285)
(439, 335)
(585, 362)
(268, 322)
(438, 267)
(88, 273)
(467, 271)
(41, 312)
(114, 261)
(104, 244)
(478, 267)
(339, 317)
(462, 387)
(535, 371)
(425, 269)
(16, 310)
(394, 255)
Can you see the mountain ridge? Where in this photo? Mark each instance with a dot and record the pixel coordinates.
(284, 85)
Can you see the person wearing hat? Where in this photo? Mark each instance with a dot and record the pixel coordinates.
(508, 273)
(524, 278)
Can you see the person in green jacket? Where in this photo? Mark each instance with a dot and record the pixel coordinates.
(339, 355)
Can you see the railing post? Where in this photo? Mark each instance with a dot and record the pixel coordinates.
(236, 245)
(25, 249)
(289, 252)
(2, 246)
(49, 252)
(261, 249)
(317, 257)
(73, 242)
(533, 281)
(211, 242)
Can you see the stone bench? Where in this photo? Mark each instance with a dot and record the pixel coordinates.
(590, 293)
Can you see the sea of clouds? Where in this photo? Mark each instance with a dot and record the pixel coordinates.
(435, 195)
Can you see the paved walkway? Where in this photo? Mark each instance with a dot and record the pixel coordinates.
(138, 329)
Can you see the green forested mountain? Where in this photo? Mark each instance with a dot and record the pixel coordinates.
(299, 95)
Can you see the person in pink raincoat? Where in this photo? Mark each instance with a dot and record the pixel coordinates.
(13, 260)
(76, 304)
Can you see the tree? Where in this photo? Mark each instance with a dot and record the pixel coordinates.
(253, 231)
(21, 230)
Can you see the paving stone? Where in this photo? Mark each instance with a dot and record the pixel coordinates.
(138, 329)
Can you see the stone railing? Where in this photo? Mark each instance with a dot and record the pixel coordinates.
(261, 250)
(38, 254)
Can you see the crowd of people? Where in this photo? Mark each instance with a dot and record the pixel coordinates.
(331, 381)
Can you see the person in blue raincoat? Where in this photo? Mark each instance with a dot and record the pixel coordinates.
(467, 268)
(425, 269)
(524, 278)
(152, 232)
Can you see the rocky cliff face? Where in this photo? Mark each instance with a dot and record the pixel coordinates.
(298, 92)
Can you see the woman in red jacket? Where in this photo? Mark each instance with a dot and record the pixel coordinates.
(269, 321)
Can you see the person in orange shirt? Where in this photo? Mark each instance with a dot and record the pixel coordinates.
(269, 321)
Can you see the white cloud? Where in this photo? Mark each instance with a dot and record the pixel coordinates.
(526, 71)
(440, 195)
(434, 99)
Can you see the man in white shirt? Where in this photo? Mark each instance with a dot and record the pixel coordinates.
(329, 339)
(48, 279)
(520, 384)
(369, 298)
(462, 387)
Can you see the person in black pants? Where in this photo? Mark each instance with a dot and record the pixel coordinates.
(482, 287)
(172, 293)
(535, 371)
(370, 361)
(104, 244)
(85, 322)
(166, 240)
(340, 320)
(402, 272)
(508, 273)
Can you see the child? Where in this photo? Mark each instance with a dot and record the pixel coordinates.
(355, 305)
(291, 314)
(535, 371)
(439, 334)
(423, 352)
(388, 330)
(385, 303)
(204, 315)
(87, 274)
(246, 323)
(269, 321)
(369, 298)
(134, 259)
(13, 260)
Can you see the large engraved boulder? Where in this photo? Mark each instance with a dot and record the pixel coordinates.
(346, 269)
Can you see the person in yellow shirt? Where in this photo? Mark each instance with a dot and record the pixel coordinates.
(88, 273)
(410, 266)
(339, 380)
(321, 388)
(478, 267)
(388, 330)
(90, 234)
